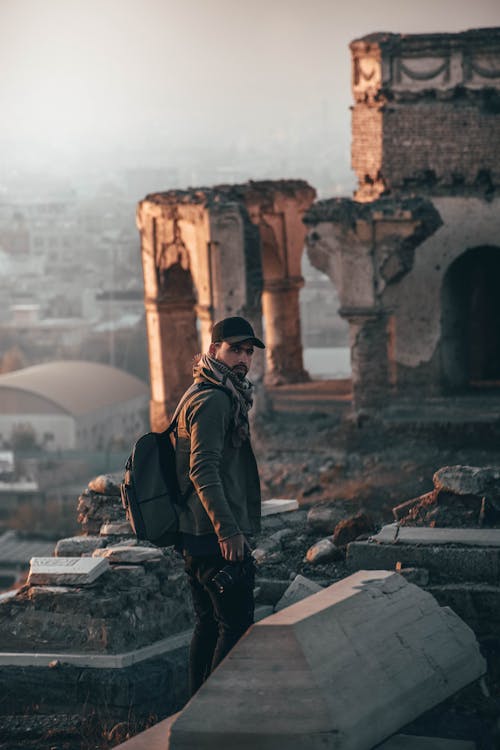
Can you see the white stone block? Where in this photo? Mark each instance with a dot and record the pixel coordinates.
(72, 571)
(344, 669)
(278, 505)
(129, 554)
(116, 528)
(75, 546)
(469, 537)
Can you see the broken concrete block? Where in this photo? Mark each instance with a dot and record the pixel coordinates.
(470, 537)
(72, 571)
(346, 668)
(324, 518)
(481, 564)
(299, 589)
(117, 528)
(270, 590)
(75, 546)
(395, 534)
(322, 552)
(469, 480)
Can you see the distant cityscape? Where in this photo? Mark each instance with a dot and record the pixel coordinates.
(70, 267)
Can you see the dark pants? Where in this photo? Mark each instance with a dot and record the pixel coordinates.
(220, 618)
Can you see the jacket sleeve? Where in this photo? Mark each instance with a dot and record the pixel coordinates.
(209, 419)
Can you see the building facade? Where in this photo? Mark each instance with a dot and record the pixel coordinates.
(415, 257)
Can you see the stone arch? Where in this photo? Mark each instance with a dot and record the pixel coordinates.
(470, 320)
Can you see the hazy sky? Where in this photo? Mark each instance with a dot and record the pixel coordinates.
(90, 80)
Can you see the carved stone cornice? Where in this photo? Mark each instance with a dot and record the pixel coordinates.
(385, 63)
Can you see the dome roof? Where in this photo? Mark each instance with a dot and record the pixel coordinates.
(74, 386)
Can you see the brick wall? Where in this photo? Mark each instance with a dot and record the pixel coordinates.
(440, 144)
(426, 116)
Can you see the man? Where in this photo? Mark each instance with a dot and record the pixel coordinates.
(219, 482)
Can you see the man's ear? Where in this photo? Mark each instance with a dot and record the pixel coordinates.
(212, 350)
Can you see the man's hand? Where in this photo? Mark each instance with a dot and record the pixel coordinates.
(233, 549)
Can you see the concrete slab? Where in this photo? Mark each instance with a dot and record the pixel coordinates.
(468, 537)
(481, 564)
(72, 571)
(345, 668)
(155, 738)
(409, 742)
(278, 505)
(392, 533)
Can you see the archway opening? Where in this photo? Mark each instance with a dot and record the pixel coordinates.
(470, 322)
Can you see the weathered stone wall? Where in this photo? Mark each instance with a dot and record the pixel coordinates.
(426, 113)
(426, 123)
(367, 250)
(417, 300)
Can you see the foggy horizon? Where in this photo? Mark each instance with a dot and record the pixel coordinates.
(91, 86)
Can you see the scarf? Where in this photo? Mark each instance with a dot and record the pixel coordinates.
(211, 370)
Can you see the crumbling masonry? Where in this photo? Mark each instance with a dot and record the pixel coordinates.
(213, 252)
(416, 257)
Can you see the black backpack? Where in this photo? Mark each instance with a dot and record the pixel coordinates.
(150, 492)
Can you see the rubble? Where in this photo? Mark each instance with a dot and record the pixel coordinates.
(299, 589)
(106, 484)
(323, 518)
(350, 529)
(462, 496)
(334, 692)
(95, 510)
(323, 551)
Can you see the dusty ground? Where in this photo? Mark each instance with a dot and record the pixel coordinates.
(362, 465)
(372, 465)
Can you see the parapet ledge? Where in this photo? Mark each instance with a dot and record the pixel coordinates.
(348, 212)
(248, 192)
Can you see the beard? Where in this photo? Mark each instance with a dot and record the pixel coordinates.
(240, 371)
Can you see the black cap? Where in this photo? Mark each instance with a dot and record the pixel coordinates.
(234, 330)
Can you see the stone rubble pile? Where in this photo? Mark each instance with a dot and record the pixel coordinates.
(128, 606)
(463, 496)
(100, 504)
(305, 544)
(139, 596)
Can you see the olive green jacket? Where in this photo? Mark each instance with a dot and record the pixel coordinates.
(219, 483)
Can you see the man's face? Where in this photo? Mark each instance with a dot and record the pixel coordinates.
(238, 357)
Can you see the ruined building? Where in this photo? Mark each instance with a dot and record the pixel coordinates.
(215, 252)
(416, 256)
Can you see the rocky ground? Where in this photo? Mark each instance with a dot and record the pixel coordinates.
(347, 477)
(363, 464)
